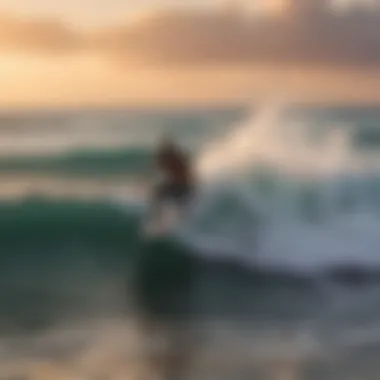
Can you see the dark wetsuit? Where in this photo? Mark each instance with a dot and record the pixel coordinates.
(178, 183)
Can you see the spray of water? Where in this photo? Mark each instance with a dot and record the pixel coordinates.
(321, 210)
(264, 139)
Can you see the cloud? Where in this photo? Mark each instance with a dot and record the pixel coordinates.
(181, 37)
(195, 37)
(37, 35)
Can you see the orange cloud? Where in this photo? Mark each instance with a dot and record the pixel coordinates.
(193, 37)
(37, 35)
(204, 37)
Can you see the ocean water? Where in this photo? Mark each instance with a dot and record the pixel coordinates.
(275, 275)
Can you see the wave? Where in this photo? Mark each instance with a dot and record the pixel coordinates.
(115, 142)
(281, 206)
(65, 259)
(283, 201)
(133, 161)
(296, 204)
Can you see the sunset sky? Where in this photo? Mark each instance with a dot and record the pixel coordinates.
(83, 52)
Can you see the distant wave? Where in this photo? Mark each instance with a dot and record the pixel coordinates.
(108, 161)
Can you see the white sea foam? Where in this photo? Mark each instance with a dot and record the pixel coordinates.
(321, 212)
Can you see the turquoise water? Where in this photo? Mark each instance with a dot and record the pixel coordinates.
(277, 273)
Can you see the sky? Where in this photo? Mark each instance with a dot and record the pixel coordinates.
(87, 12)
(84, 13)
(84, 52)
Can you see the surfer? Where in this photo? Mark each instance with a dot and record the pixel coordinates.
(178, 180)
(165, 270)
